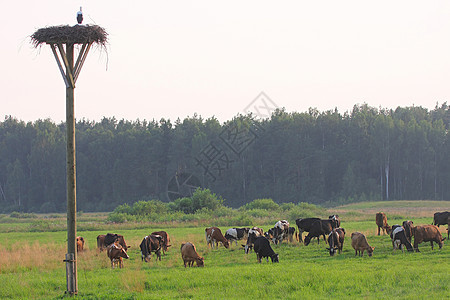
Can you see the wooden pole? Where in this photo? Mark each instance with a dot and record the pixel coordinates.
(71, 256)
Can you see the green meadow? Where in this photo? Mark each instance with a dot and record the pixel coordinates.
(33, 249)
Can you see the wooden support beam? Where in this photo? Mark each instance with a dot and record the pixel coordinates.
(69, 69)
(59, 65)
(81, 59)
(71, 257)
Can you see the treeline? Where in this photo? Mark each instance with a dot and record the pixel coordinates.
(316, 157)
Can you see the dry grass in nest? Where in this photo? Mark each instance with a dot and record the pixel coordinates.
(65, 34)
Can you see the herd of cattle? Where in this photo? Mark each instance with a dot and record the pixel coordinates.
(260, 241)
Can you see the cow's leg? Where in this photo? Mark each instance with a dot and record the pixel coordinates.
(431, 242)
(378, 230)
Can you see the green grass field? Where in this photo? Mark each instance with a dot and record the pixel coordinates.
(31, 265)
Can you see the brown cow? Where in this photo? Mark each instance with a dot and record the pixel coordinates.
(427, 233)
(381, 221)
(80, 243)
(359, 243)
(166, 240)
(104, 240)
(214, 236)
(116, 253)
(189, 255)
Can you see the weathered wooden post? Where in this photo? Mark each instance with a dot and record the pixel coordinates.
(57, 37)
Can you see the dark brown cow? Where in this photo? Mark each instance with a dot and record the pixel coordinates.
(80, 243)
(166, 240)
(151, 243)
(116, 253)
(189, 255)
(381, 221)
(360, 244)
(408, 225)
(214, 236)
(427, 233)
(104, 240)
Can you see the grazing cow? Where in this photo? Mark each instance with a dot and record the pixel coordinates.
(236, 234)
(189, 255)
(359, 243)
(408, 225)
(400, 239)
(104, 241)
(116, 253)
(427, 233)
(252, 235)
(263, 249)
(80, 243)
(381, 221)
(304, 225)
(336, 240)
(214, 236)
(151, 243)
(441, 218)
(318, 228)
(166, 240)
(336, 219)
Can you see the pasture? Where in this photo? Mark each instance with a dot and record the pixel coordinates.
(31, 265)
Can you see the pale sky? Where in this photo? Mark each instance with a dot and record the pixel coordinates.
(170, 59)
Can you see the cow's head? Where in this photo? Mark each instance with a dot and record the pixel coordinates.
(121, 252)
(370, 250)
(226, 244)
(388, 229)
(275, 258)
(200, 262)
(307, 240)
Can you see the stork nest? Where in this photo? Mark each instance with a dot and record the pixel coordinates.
(65, 34)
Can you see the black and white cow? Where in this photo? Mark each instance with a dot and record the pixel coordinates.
(304, 225)
(236, 234)
(279, 232)
(399, 239)
(336, 240)
(318, 228)
(253, 233)
(263, 249)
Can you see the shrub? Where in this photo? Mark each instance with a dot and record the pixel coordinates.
(202, 198)
(143, 208)
(21, 215)
(266, 204)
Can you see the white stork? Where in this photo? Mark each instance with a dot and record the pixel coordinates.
(80, 16)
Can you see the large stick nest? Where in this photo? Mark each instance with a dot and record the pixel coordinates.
(65, 34)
